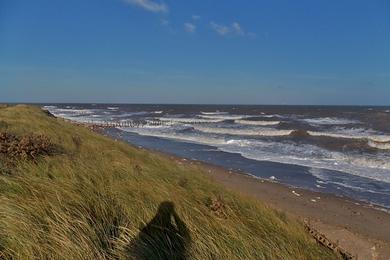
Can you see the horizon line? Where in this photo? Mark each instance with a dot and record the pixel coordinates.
(194, 104)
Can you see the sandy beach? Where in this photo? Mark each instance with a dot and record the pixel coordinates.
(360, 228)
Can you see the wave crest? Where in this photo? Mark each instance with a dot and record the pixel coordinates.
(252, 122)
(244, 132)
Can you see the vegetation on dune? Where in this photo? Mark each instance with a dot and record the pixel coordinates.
(102, 199)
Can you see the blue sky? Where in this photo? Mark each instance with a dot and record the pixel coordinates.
(203, 51)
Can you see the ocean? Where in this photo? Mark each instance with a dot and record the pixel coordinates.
(342, 150)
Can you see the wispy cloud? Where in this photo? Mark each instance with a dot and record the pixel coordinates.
(195, 17)
(220, 29)
(236, 27)
(233, 29)
(164, 22)
(149, 5)
(167, 25)
(189, 27)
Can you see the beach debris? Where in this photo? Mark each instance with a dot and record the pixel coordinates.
(318, 198)
(217, 205)
(324, 241)
(313, 200)
(272, 178)
(299, 133)
(296, 193)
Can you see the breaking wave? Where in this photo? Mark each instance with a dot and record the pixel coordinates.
(368, 135)
(379, 145)
(224, 117)
(176, 136)
(189, 120)
(131, 114)
(252, 122)
(248, 132)
(214, 113)
(330, 121)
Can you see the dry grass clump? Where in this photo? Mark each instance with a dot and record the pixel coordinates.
(26, 147)
(101, 199)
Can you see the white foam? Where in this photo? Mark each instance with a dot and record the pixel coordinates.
(131, 114)
(113, 108)
(244, 132)
(376, 168)
(49, 107)
(176, 136)
(269, 116)
(260, 123)
(189, 120)
(379, 145)
(214, 113)
(329, 121)
(324, 176)
(353, 133)
(223, 117)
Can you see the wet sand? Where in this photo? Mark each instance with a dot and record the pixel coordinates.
(359, 228)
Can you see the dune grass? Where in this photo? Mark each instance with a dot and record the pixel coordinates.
(97, 198)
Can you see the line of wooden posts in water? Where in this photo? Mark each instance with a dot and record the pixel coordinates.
(137, 123)
(127, 123)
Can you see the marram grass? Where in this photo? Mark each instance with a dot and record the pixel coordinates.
(97, 198)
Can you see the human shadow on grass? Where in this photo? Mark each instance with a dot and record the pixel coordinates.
(166, 236)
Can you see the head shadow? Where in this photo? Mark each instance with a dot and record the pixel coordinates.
(166, 236)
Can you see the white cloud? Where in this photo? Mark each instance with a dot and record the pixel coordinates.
(190, 27)
(233, 29)
(149, 5)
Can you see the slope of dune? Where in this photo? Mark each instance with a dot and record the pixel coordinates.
(87, 196)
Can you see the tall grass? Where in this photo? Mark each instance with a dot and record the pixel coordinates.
(103, 199)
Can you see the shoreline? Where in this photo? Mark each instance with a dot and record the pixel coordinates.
(359, 227)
